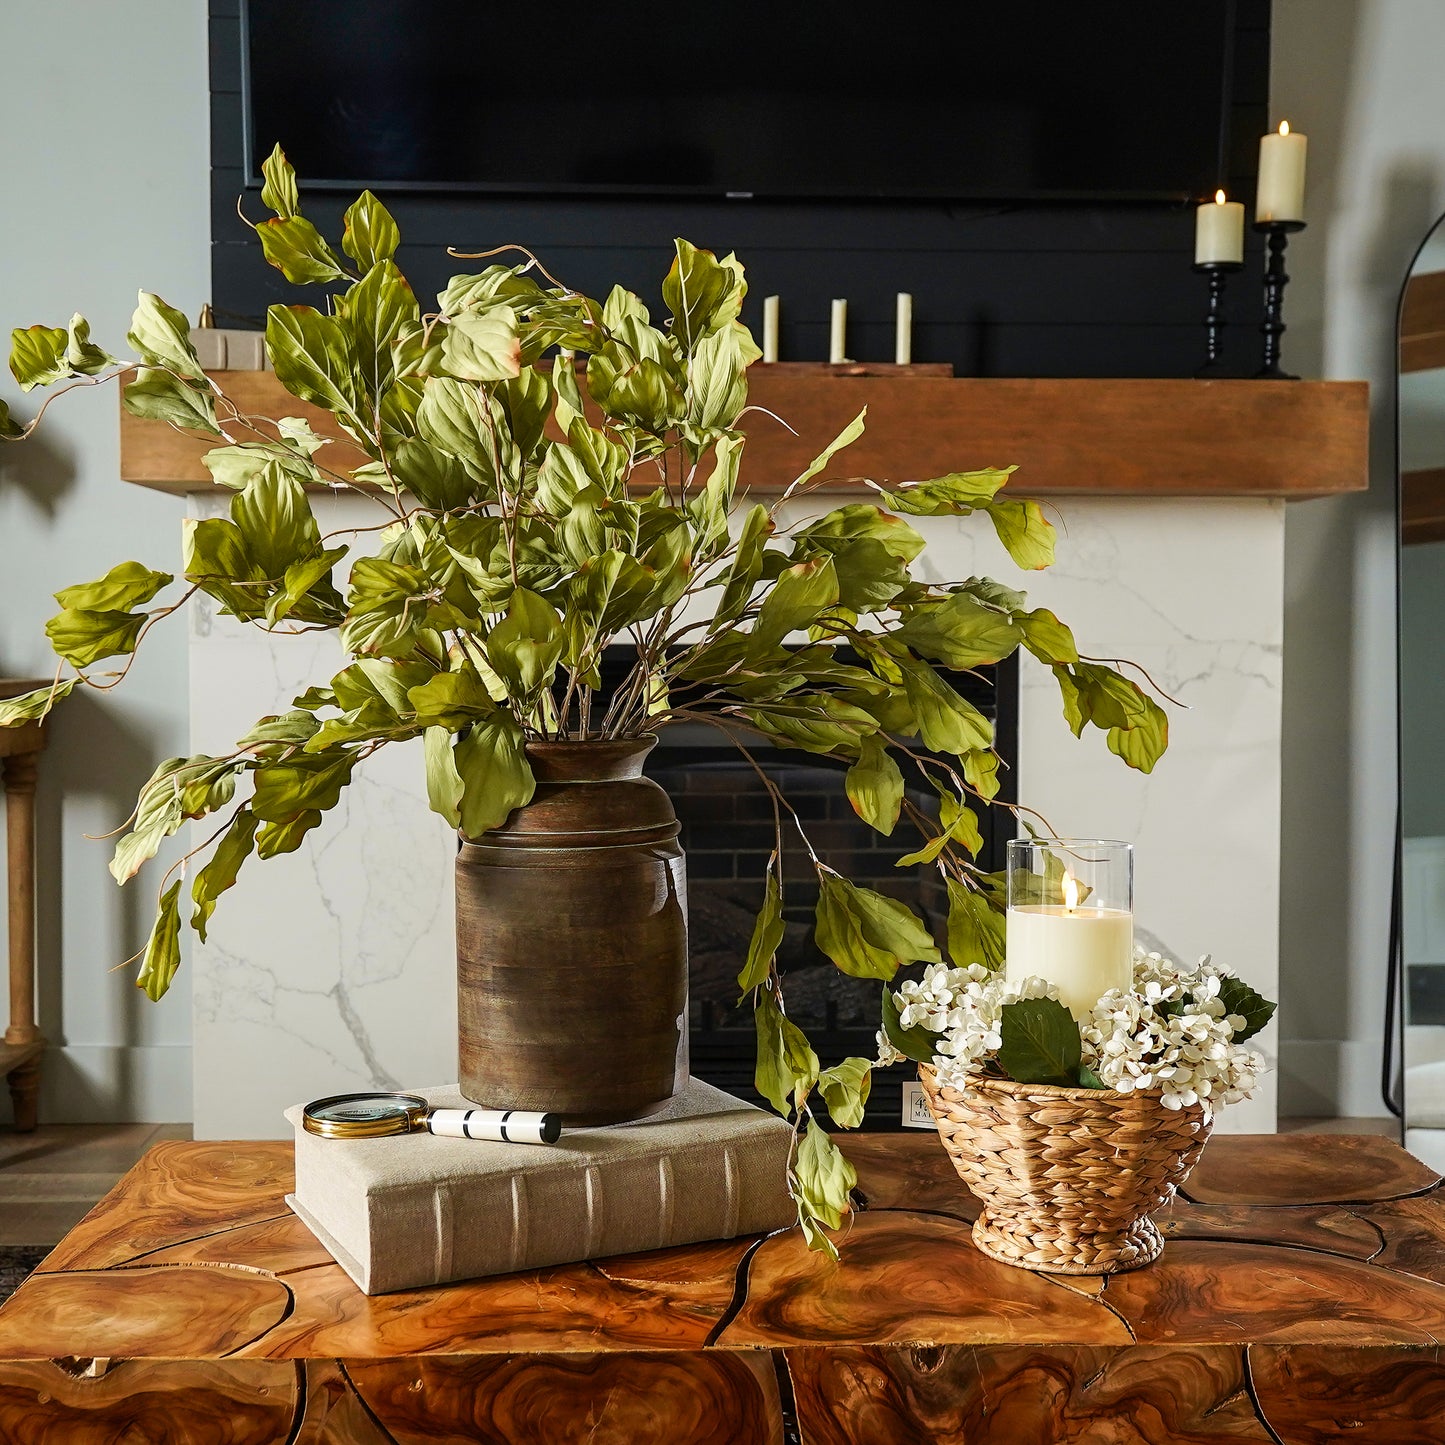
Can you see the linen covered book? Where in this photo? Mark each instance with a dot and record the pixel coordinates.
(417, 1210)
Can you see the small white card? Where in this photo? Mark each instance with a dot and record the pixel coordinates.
(916, 1113)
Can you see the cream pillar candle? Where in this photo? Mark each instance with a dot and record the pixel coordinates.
(1084, 951)
(770, 328)
(903, 332)
(837, 334)
(1219, 232)
(1280, 195)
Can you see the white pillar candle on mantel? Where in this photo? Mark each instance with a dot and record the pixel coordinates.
(1280, 195)
(1219, 232)
(1071, 917)
(770, 328)
(903, 334)
(837, 333)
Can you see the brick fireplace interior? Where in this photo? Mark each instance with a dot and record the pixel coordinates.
(728, 834)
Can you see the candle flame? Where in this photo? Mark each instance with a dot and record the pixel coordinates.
(1071, 891)
(1284, 127)
(1219, 198)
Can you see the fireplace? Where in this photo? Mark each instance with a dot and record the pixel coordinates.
(728, 833)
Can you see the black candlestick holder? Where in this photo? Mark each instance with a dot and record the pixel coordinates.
(1217, 271)
(1276, 278)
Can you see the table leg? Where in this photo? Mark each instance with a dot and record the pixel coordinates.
(20, 773)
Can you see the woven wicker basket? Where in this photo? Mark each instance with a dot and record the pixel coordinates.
(1067, 1177)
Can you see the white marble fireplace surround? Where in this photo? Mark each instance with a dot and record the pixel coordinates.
(332, 968)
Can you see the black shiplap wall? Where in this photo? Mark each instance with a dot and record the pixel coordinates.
(1077, 290)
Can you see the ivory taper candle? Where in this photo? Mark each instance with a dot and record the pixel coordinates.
(1070, 917)
(770, 328)
(838, 333)
(1219, 232)
(903, 330)
(1280, 195)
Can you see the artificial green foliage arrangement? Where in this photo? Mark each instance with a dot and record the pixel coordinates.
(532, 511)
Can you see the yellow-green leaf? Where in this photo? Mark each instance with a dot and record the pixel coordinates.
(163, 948)
(767, 935)
(845, 1090)
(787, 1067)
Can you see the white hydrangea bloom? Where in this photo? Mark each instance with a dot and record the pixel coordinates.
(1168, 1032)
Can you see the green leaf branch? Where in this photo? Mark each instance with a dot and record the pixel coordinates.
(554, 473)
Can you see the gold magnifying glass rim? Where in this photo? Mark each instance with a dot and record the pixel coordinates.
(410, 1115)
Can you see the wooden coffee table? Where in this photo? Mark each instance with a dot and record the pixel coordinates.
(1301, 1298)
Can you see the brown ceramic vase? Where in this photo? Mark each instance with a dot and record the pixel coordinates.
(572, 943)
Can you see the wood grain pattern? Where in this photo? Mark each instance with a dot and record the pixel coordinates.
(871, 1395)
(150, 1402)
(660, 1398)
(1386, 1396)
(1307, 1169)
(1161, 438)
(204, 1311)
(907, 1277)
(190, 1304)
(1208, 1293)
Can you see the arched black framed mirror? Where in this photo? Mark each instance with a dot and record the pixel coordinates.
(1420, 902)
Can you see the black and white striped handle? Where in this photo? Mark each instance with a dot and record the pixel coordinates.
(509, 1126)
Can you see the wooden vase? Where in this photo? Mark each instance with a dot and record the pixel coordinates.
(572, 943)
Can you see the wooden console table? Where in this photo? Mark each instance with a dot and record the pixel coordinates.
(23, 1043)
(1301, 1299)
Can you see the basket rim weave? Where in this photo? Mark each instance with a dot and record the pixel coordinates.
(987, 1082)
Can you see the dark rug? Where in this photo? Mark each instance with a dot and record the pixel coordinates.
(16, 1261)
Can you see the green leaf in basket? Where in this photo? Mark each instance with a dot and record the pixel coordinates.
(1039, 1042)
(1239, 999)
(1088, 1079)
(916, 1043)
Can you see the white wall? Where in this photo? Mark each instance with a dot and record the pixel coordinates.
(1362, 79)
(104, 110)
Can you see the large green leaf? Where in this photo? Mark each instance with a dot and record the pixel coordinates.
(1238, 998)
(375, 312)
(299, 251)
(976, 930)
(161, 336)
(370, 235)
(960, 632)
(1142, 745)
(126, 585)
(866, 934)
(1026, 532)
(31, 706)
(286, 835)
(824, 1180)
(947, 721)
(956, 494)
(163, 947)
(82, 637)
(1039, 1042)
(875, 786)
(216, 560)
(82, 355)
(482, 345)
(159, 396)
(313, 359)
(301, 782)
(279, 183)
(434, 477)
(525, 646)
(717, 381)
(180, 788)
(496, 777)
(444, 785)
(767, 935)
(845, 1090)
(703, 293)
(859, 521)
(220, 873)
(275, 521)
(37, 355)
(1046, 637)
(796, 600)
(787, 1067)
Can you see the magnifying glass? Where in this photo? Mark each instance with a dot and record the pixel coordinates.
(377, 1116)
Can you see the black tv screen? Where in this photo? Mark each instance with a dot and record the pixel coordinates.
(1025, 99)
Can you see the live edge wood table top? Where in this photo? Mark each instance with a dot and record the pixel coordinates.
(1300, 1298)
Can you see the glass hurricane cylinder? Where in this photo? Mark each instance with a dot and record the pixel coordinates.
(1071, 916)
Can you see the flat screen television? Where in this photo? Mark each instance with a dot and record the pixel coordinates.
(1020, 100)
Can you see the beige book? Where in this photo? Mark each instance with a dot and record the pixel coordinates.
(417, 1210)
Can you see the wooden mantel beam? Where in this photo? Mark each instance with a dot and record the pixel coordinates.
(1086, 437)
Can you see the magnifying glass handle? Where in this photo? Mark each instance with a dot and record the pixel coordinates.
(510, 1126)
